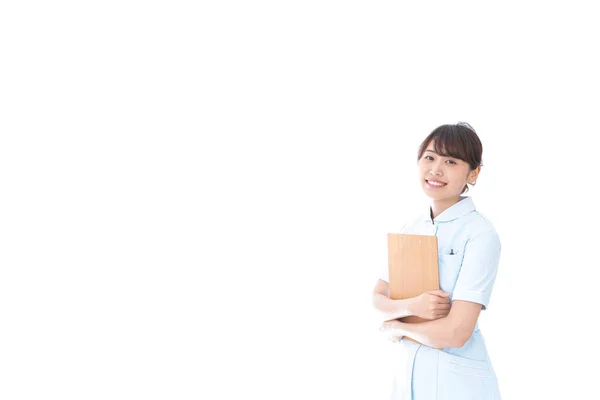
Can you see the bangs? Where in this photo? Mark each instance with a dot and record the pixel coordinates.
(456, 141)
(449, 144)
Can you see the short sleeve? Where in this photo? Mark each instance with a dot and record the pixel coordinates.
(478, 269)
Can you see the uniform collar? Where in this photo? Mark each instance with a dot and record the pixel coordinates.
(463, 207)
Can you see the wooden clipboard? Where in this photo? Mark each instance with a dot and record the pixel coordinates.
(413, 267)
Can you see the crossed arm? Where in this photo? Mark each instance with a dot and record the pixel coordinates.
(452, 330)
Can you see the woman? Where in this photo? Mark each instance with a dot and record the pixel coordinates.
(452, 362)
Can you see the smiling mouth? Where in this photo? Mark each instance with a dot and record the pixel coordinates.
(435, 184)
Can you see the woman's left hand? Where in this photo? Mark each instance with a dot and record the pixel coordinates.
(392, 329)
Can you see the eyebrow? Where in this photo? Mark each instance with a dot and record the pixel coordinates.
(441, 155)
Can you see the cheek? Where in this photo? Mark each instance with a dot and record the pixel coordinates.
(458, 179)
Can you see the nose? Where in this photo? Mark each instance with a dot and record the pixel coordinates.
(436, 170)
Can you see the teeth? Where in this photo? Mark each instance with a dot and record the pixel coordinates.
(436, 183)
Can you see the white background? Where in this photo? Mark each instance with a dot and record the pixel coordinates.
(194, 197)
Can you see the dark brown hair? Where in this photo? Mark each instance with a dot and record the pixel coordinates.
(458, 141)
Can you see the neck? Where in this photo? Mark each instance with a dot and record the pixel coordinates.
(439, 206)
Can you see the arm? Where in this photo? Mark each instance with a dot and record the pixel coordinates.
(429, 305)
(471, 294)
(451, 331)
(389, 309)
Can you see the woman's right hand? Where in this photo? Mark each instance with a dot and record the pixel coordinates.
(431, 305)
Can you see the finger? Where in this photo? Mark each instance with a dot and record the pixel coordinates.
(393, 338)
(438, 293)
(440, 300)
(443, 307)
(385, 326)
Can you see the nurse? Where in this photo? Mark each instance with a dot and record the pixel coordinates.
(452, 362)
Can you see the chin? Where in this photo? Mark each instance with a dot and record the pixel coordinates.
(433, 197)
(437, 196)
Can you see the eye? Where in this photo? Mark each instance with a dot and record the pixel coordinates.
(450, 161)
(428, 158)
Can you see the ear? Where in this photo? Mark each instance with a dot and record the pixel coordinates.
(473, 174)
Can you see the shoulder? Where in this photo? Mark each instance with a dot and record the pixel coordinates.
(478, 226)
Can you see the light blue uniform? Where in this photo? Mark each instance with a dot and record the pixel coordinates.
(468, 254)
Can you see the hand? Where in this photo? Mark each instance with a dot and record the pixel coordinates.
(393, 338)
(431, 305)
(392, 330)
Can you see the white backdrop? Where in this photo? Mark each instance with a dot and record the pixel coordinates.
(195, 197)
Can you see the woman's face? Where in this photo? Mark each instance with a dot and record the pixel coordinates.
(444, 177)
